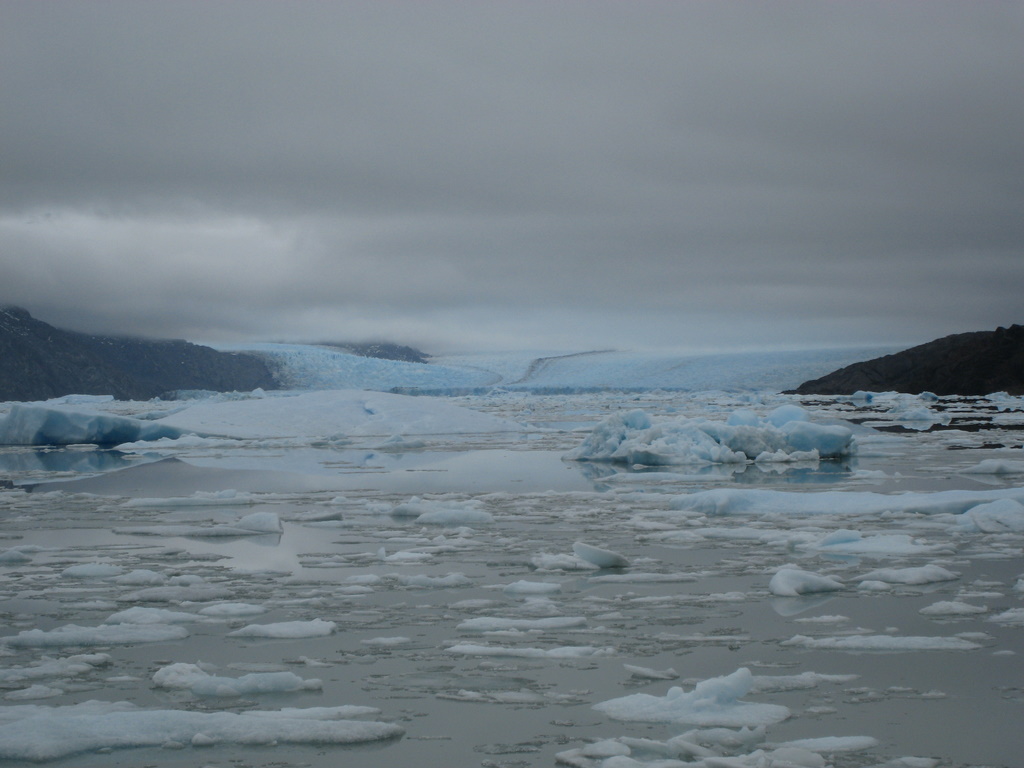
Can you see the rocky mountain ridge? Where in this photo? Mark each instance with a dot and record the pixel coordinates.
(976, 363)
(39, 361)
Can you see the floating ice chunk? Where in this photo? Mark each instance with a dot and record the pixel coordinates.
(602, 558)
(524, 587)
(79, 664)
(36, 691)
(225, 498)
(1012, 617)
(925, 574)
(647, 673)
(721, 501)
(397, 443)
(425, 581)
(177, 593)
(803, 681)
(232, 610)
(495, 624)
(784, 414)
(92, 571)
(870, 585)
(830, 744)
(34, 733)
(830, 441)
(1000, 516)
(260, 522)
(882, 643)
(793, 582)
(141, 615)
(15, 556)
(287, 629)
(911, 413)
(42, 425)
(562, 652)
(193, 678)
(952, 608)
(716, 701)
(850, 542)
(743, 417)
(995, 467)
(256, 524)
(406, 557)
(443, 512)
(546, 561)
(631, 439)
(107, 634)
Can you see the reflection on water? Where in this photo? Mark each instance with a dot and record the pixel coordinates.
(83, 460)
(111, 472)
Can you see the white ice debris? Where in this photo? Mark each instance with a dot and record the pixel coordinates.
(925, 574)
(497, 624)
(995, 467)
(106, 634)
(290, 630)
(256, 524)
(231, 610)
(947, 608)
(526, 587)
(1001, 516)
(141, 615)
(716, 701)
(738, 501)
(1011, 617)
(191, 677)
(559, 652)
(69, 666)
(443, 512)
(92, 571)
(225, 498)
(790, 581)
(648, 673)
(882, 643)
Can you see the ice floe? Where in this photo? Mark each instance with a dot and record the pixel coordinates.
(716, 701)
(36, 733)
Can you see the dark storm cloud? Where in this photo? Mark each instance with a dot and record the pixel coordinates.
(588, 174)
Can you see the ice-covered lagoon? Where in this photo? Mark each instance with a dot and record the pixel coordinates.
(364, 579)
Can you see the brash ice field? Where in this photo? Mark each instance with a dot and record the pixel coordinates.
(712, 576)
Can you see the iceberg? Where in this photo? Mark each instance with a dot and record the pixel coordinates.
(787, 435)
(44, 425)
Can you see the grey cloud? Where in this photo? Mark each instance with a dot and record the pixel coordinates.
(718, 172)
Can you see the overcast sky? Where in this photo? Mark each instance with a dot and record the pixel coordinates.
(495, 175)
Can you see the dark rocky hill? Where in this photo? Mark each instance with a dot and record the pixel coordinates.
(38, 361)
(963, 364)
